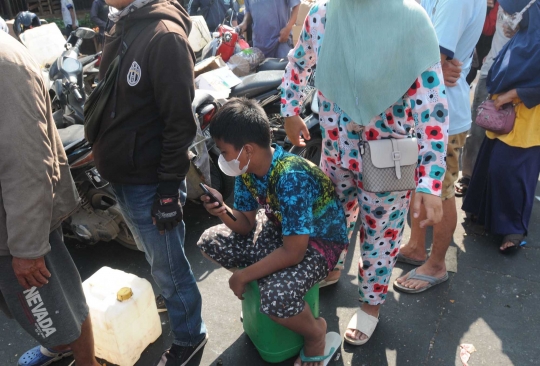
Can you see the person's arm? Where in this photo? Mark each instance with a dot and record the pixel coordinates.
(173, 91)
(290, 254)
(299, 69)
(27, 163)
(73, 16)
(286, 31)
(246, 22)
(529, 96)
(94, 16)
(432, 120)
(451, 70)
(245, 208)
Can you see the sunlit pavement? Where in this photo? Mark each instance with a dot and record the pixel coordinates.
(491, 302)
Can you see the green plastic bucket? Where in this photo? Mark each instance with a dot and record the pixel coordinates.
(274, 342)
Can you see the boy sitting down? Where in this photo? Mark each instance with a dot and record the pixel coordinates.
(289, 247)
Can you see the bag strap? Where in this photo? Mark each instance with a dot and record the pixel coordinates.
(133, 33)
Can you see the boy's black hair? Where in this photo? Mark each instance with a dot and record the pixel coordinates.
(241, 121)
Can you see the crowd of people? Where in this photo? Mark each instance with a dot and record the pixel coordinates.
(290, 227)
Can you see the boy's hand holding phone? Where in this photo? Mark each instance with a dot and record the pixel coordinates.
(213, 202)
(212, 206)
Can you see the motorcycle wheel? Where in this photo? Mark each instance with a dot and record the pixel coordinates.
(220, 181)
(104, 199)
(312, 151)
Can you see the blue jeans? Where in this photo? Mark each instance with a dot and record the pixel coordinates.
(170, 267)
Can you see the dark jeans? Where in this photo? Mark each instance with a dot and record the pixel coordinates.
(170, 267)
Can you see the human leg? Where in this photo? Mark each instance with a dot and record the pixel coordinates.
(59, 310)
(383, 220)
(415, 248)
(443, 231)
(342, 169)
(476, 133)
(170, 267)
(282, 299)
(83, 347)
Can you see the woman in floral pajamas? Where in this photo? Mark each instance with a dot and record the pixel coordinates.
(421, 112)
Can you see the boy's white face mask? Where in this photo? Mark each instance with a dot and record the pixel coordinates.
(232, 168)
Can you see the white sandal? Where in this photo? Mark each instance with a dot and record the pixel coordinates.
(364, 323)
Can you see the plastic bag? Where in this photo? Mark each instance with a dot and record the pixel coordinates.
(246, 61)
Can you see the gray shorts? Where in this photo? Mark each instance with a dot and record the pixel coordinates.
(54, 313)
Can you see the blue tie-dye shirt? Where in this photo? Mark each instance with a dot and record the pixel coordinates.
(296, 196)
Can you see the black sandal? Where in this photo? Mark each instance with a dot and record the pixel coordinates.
(517, 239)
(461, 186)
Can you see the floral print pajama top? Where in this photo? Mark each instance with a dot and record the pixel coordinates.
(422, 112)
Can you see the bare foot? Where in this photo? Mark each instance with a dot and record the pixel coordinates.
(372, 310)
(429, 269)
(413, 251)
(314, 346)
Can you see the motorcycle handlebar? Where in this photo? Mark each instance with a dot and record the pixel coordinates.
(77, 93)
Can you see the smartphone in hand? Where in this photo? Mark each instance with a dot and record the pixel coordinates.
(214, 199)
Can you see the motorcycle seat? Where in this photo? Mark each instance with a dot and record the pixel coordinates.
(71, 134)
(202, 97)
(270, 64)
(257, 84)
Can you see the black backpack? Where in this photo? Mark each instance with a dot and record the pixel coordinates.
(95, 105)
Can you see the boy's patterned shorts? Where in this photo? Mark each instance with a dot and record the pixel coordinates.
(282, 292)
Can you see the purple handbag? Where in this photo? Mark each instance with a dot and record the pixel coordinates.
(499, 121)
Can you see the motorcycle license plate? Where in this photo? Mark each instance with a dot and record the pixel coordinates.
(96, 178)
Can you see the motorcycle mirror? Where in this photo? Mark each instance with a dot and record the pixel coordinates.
(84, 33)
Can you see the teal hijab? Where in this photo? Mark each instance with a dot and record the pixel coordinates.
(372, 52)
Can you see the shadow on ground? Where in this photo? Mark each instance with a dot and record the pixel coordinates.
(491, 302)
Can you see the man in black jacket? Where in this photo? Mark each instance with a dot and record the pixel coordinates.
(142, 149)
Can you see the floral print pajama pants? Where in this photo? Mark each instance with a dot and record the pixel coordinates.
(382, 214)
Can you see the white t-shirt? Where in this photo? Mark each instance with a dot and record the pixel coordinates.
(66, 15)
(498, 42)
(458, 24)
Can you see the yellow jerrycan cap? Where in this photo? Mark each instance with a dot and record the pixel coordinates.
(124, 294)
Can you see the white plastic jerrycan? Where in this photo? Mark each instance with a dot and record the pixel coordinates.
(124, 315)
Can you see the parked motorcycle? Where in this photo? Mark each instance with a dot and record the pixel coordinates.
(99, 217)
(225, 42)
(72, 79)
(203, 152)
(264, 87)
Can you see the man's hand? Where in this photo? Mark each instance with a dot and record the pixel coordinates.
(241, 28)
(295, 129)
(451, 71)
(211, 207)
(166, 212)
(31, 272)
(433, 206)
(505, 98)
(238, 284)
(284, 34)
